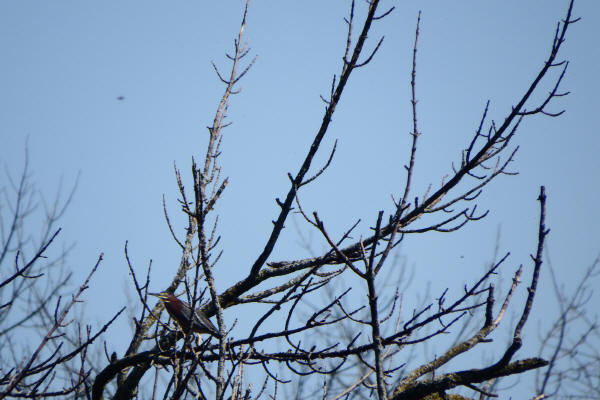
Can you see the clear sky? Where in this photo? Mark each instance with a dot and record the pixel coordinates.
(65, 63)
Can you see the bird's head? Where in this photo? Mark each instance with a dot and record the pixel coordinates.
(171, 303)
(164, 296)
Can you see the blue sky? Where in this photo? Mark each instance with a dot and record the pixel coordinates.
(66, 62)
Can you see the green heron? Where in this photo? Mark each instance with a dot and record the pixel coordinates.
(181, 312)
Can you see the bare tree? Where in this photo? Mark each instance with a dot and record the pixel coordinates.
(366, 362)
(33, 281)
(354, 344)
(571, 343)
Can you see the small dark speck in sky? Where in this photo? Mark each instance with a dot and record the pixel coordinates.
(121, 98)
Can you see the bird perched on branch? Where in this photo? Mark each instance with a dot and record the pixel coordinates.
(187, 319)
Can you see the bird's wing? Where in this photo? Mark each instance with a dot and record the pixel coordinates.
(206, 323)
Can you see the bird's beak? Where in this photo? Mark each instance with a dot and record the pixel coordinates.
(154, 294)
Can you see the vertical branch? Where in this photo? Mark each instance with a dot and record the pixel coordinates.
(403, 205)
(415, 132)
(537, 261)
(205, 201)
(240, 50)
(375, 328)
